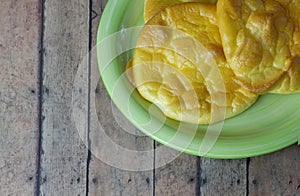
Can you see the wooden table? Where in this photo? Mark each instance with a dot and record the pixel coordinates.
(41, 46)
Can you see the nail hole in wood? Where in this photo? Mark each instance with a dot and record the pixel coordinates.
(147, 180)
(46, 90)
(44, 179)
(95, 181)
(97, 90)
(254, 182)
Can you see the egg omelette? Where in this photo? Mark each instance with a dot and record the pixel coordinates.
(290, 81)
(152, 7)
(257, 37)
(165, 75)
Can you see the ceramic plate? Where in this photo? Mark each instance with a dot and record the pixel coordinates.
(272, 123)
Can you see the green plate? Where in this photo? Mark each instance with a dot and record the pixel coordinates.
(272, 123)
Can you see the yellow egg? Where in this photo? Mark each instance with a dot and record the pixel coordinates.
(180, 66)
(290, 81)
(152, 7)
(257, 37)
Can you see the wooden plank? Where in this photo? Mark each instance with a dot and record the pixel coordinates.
(20, 23)
(276, 174)
(179, 177)
(105, 179)
(108, 179)
(224, 177)
(64, 153)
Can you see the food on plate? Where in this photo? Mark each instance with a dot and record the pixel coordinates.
(200, 61)
(257, 37)
(152, 7)
(180, 66)
(290, 81)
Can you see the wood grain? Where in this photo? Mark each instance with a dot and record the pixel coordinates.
(192, 175)
(179, 177)
(105, 179)
(64, 153)
(276, 174)
(223, 177)
(108, 179)
(19, 66)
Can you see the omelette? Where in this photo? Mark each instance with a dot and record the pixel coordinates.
(180, 66)
(152, 7)
(258, 37)
(290, 81)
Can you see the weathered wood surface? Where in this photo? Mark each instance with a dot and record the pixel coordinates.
(63, 153)
(276, 174)
(108, 179)
(190, 175)
(20, 24)
(223, 177)
(179, 177)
